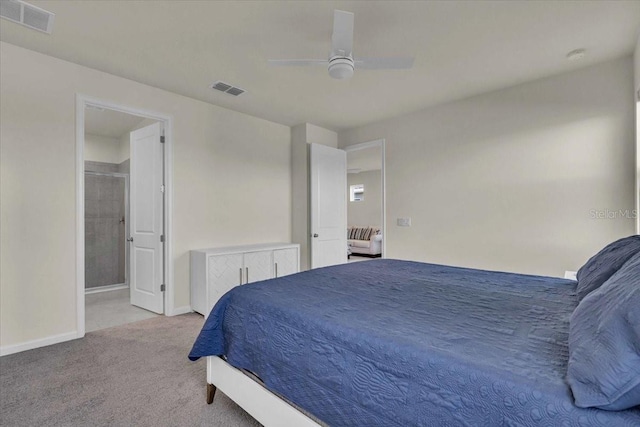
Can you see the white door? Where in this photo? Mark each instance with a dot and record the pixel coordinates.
(285, 262)
(257, 266)
(328, 206)
(146, 219)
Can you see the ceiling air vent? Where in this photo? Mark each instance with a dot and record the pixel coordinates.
(27, 15)
(235, 91)
(227, 88)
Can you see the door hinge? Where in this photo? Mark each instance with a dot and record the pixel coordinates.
(162, 287)
(162, 188)
(162, 238)
(162, 139)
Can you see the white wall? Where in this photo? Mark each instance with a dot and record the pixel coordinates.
(318, 135)
(99, 148)
(636, 69)
(232, 184)
(123, 148)
(509, 180)
(367, 212)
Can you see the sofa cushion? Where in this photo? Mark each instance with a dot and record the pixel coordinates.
(360, 243)
(361, 233)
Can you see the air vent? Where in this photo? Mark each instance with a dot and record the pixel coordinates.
(235, 91)
(227, 88)
(27, 15)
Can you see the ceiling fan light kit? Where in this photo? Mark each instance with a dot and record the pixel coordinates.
(341, 64)
(341, 68)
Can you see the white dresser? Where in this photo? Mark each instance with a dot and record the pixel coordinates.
(215, 271)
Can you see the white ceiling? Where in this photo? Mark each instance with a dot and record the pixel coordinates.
(109, 123)
(461, 48)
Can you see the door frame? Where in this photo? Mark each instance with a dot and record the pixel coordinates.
(83, 101)
(374, 144)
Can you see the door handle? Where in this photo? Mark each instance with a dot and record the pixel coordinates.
(247, 270)
(130, 239)
(241, 275)
(315, 234)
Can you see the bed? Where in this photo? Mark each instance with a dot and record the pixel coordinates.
(398, 343)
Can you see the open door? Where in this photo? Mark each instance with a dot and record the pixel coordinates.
(146, 219)
(328, 195)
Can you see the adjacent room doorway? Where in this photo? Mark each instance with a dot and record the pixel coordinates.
(366, 196)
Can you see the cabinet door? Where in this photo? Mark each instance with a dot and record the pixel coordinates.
(225, 273)
(257, 266)
(285, 261)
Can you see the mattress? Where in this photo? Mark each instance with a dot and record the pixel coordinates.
(399, 343)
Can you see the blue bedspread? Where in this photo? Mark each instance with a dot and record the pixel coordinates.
(399, 343)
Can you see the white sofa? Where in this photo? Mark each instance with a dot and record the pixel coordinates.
(365, 241)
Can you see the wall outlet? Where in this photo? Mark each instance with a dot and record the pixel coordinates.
(570, 275)
(404, 222)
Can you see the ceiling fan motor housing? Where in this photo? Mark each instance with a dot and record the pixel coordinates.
(341, 67)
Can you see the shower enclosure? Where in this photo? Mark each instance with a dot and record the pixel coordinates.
(106, 220)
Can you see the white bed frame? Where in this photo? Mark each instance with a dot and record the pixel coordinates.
(263, 405)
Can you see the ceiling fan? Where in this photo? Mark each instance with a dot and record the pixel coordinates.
(341, 63)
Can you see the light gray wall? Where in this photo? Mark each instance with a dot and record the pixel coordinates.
(368, 212)
(636, 69)
(103, 149)
(212, 147)
(510, 180)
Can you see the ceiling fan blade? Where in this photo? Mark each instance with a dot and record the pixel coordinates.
(383, 63)
(297, 62)
(342, 37)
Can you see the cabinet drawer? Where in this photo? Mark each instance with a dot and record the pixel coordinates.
(285, 262)
(224, 273)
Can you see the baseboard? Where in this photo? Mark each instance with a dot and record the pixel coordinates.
(180, 310)
(42, 342)
(98, 289)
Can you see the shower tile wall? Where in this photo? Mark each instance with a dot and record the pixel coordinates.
(105, 259)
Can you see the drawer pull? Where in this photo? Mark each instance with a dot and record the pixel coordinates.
(276, 269)
(240, 275)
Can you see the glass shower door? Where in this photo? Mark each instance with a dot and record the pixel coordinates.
(105, 229)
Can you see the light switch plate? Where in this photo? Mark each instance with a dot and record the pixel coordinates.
(404, 222)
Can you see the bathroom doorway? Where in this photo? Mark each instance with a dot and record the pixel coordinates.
(107, 213)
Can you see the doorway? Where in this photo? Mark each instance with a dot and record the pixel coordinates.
(122, 182)
(366, 200)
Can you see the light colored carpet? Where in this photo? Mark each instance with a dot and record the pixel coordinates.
(132, 375)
